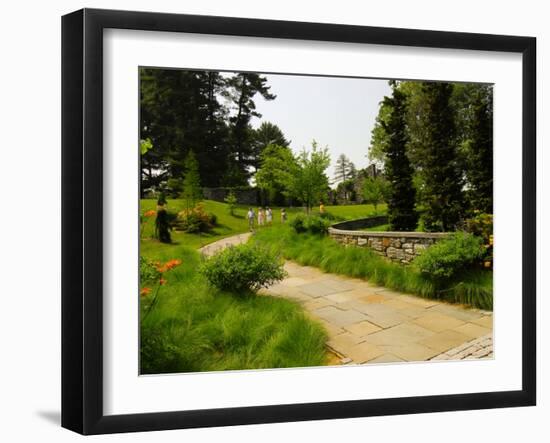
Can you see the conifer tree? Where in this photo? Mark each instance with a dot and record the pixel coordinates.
(443, 182)
(398, 170)
(480, 151)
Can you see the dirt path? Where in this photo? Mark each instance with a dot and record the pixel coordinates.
(372, 324)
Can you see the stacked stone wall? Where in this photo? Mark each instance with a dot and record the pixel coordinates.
(401, 247)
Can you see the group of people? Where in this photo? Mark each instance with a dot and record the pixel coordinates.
(265, 217)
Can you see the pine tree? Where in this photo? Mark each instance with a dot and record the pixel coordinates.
(442, 194)
(398, 170)
(480, 151)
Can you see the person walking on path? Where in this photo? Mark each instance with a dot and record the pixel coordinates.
(269, 216)
(250, 216)
(283, 215)
(261, 217)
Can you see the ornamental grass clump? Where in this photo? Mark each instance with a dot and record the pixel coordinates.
(243, 269)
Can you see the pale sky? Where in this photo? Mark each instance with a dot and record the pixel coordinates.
(336, 112)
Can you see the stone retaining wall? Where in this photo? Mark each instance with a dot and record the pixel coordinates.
(401, 247)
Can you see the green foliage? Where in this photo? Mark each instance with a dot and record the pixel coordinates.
(375, 190)
(478, 148)
(472, 287)
(145, 146)
(449, 257)
(243, 268)
(243, 87)
(268, 134)
(399, 172)
(231, 200)
(443, 197)
(310, 183)
(191, 182)
(196, 220)
(298, 223)
(314, 224)
(148, 272)
(277, 168)
(196, 328)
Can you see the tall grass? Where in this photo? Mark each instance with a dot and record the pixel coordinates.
(474, 288)
(194, 327)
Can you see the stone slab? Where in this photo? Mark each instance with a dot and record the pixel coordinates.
(437, 322)
(338, 317)
(445, 340)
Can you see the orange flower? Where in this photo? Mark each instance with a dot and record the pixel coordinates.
(149, 213)
(162, 281)
(145, 291)
(170, 264)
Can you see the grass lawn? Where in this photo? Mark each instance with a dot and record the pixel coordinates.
(474, 288)
(194, 327)
(234, 224)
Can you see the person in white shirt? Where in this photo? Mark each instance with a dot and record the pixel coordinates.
(269, 216)
(251, 216)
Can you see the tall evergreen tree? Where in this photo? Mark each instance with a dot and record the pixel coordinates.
(479, 150)
(398, 170)
(443, 181)
(268, 134)
(243, 88)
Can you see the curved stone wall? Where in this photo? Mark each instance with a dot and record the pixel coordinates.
(401, 247)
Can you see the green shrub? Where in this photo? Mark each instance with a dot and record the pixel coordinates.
(196, 220)
(314, 224)
(148, 271)
(298, 223)
(317, 225)
(448, 257)
(244, 268)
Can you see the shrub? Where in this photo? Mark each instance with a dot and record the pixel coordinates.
(148, 271)
(243, 268)
(196, 220)
(314, 224)
(450, 256)
(317, 225)
(298, 223)
(481, 224)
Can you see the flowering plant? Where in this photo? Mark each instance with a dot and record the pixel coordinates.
(151, 274)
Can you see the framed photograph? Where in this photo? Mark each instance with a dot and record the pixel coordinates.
(269, 221)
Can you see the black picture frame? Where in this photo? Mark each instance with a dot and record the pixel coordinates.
(82, 218)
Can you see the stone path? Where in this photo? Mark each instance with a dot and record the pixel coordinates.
(217, 246)
(371, 324)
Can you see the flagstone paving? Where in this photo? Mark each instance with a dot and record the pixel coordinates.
(372, 324)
